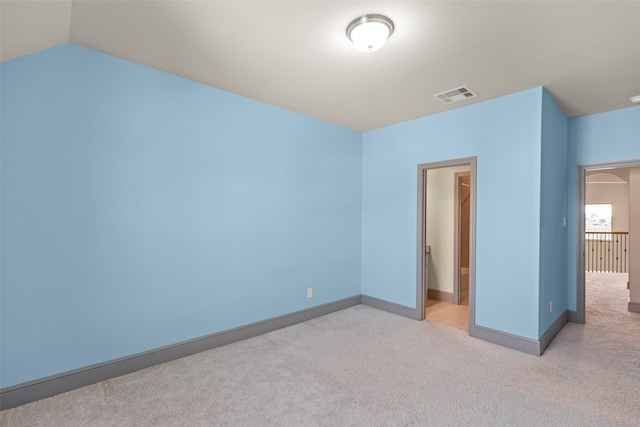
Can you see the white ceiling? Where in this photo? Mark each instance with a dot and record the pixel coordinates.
(295, 54)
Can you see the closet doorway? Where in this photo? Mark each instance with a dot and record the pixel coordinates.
(446, 242)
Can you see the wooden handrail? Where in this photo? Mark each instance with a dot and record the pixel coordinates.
(607, 232)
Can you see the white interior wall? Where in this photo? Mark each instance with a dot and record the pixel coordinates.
(440, 225)
(615, 193)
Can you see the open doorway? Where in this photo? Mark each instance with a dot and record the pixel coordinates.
(446, 242)
(606, 242)
(608, 214)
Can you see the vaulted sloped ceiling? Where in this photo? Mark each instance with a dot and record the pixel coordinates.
(294, 54)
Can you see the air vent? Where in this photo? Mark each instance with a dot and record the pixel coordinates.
(455, 95)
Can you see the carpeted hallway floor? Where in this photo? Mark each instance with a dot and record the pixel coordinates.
(366, 367)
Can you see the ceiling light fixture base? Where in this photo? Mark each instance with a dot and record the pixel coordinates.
(370, 32)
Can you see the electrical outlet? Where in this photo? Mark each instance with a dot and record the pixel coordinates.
(564, 221)
(550, 306)
(309, 292)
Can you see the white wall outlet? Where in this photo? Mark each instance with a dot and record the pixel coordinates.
(550, 306)
(564, 221)
(309, 292)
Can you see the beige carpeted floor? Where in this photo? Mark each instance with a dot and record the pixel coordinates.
(366, 367)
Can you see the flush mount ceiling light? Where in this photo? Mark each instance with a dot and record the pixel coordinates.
(369, 32)
(635, 99)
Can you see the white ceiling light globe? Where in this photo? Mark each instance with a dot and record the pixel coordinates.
(370, 32)
(370, 36)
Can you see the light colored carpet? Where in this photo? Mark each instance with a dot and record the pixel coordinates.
(366, 367)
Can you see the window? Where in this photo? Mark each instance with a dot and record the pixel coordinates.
(598, 217)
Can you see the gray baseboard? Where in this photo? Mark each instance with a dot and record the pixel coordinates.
(46, 387)
(391, 307)
(438, 295)
(572, 316)
(506, 340)
(634, 307)
(535, 347)
(553, 330)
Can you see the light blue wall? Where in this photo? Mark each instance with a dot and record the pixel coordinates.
(599, 138)
(553, 207)
(505, 136)
(140, 209)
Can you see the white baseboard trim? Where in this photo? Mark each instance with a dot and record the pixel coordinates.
(31, 391)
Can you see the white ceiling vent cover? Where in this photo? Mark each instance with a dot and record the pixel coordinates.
(452, 96)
